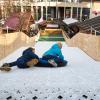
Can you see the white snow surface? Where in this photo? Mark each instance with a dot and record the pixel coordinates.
(79, 80)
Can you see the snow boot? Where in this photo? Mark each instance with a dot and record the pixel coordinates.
(52, 62)
(5, 67)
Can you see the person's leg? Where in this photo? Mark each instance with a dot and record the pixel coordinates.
(12, 64)
(21, 63)
(7, 66)
(43, 63)
(51, 60)
(60, 62)
(63, 63)
(18, 63)
(55, 58)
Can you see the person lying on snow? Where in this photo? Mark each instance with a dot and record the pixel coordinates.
(54, 55)
(28, 59)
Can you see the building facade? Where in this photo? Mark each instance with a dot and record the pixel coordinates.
(78, 9)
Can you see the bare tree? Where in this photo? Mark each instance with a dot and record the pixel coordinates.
(8, 7)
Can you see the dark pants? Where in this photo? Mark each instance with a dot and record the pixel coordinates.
(27, 56)
(20, 63)
(43, 63)
(59, 61)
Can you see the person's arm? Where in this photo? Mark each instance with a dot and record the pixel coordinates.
(33, 55)
(26, 50)
(60, 55)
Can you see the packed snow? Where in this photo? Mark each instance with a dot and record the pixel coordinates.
(79, 80)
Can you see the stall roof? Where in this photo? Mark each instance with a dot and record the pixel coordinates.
(69, 20)
(18, 21)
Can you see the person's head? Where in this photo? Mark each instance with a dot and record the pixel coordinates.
(59, 44)
(33, 49)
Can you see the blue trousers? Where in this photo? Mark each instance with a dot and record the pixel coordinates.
(43, 62)
(59, 61)
(20, 63)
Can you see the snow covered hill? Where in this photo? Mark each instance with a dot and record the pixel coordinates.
(79, 80)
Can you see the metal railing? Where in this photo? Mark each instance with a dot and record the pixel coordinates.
(94, 31)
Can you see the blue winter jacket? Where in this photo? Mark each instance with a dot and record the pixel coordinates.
(55, 50)
(27, 56)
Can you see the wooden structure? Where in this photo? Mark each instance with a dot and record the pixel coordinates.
(13, 41)
(19, 22)
(90, 26)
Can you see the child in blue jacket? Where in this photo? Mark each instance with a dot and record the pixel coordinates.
(54, 55)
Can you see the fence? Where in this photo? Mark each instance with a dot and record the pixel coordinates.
(12, 41)
(89, 43)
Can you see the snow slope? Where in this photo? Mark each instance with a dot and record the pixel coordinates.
(79, 80)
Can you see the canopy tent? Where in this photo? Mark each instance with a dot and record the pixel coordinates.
(40, 20)
(12, 22)
(18, 21)
(41, 23)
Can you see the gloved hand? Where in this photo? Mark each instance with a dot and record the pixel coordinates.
(32, 62)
